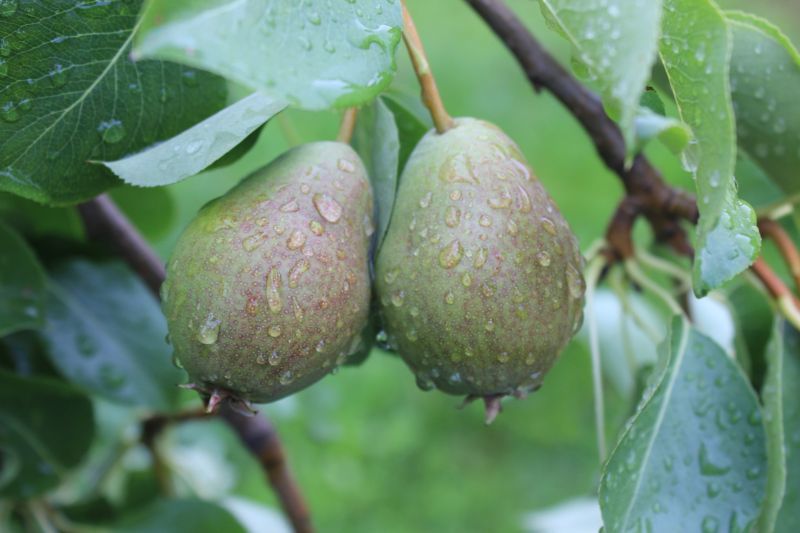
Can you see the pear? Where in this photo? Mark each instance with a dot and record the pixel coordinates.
(268, 288)
(479, 276)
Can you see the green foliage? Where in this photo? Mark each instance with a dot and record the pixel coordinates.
(105, 332)
(692, 457)
(695, 49)
(198, 147)
(619, 49)
(70, 93)
(45, 429)
(320, 56)
(179, 515)
(22, 284)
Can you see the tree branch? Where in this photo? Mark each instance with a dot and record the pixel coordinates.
(106, 223)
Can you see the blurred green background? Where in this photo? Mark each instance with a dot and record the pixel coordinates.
(370, 450)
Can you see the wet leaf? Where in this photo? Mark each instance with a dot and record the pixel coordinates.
(22, 284)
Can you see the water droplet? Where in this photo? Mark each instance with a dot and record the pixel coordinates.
(298, 270)
(209, 331)
(575, 282)
(449, 298)
(425, 383)
(480, 258)
(397, 298)
(274, 331)
(261, 359)
(425, 201)
(543, 258)
(194, 146)
(411, 335)
(253, 241)
(451, 254)
(316, 228)
(466, 279)
(290, 207)
(86, 345)
(111, 131)
(548, 225)
(327, 207)
(485, 221)
(503, 357)
(709, 467)
(524, 200)
(274, 358)
(287, 377)
(320, 347)
(58, 76)
(452, 216)
(391, 276)
(713, 489)
(346, 165)
(296, 240)
(455, 195)
(489, 326)
(111, 377)
(8, 112)
(487, 289)
(512, 228)
(274, 290)
(710, 524)
(251, 307)
(499, 203)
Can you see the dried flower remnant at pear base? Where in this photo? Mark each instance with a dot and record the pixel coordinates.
(267, 290)
(479, 276)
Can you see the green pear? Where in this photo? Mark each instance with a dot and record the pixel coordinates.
(268, 288)
(479, 276)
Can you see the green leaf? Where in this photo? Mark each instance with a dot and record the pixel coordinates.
(672, 132)
(152, 210)
(765, 83)
(197, 516)
(695, 50)
(319, 56)
(197, 148)
(755, 187)
(787, 380)
(377, 142)
(71, 94)
(46, 427)
(22, 284)
(412, 119)
(692, 457)
(617, 40)
(105, 332)
(35, 220)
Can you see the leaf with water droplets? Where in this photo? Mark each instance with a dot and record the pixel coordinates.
(695, 49)
(22, 284)
(765, 82)
(694, 452)
(781, 396)
(200, 146)
(318, 55)
(71, 94)
(105, 333)
(46, 427)
(617, 40)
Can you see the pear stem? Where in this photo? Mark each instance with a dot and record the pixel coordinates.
(430, 92)
(348, 125)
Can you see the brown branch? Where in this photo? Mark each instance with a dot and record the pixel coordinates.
(104, 222)
(430, 92)
(348, 125)
(774, 231)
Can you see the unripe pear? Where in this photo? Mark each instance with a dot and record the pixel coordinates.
(268, 287)
(479, 276)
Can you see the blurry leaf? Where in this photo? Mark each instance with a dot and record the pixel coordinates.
(152, 210)
(166, 516)
(672, 132)
(45, 428)
(412, 119)
(695, 49)
(377, 142)
(692, 457)
(755, 187)
(239, 151)
(195, 149)
(35, 220)
(752, 315)
(786, 380)
(22, 284)
(24, 354)
(765, 84)
(105, 332)
(73, 94)
(256, 518)
(617, 40)
(323, 55)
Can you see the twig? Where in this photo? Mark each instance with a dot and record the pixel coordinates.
(430, 93)
(105, 222)
(774, 231)
(348, 125)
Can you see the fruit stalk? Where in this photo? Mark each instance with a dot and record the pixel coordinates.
(105, 222)
(430, 92)
(348, 125)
